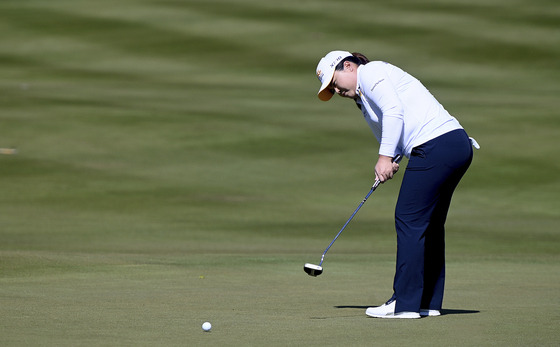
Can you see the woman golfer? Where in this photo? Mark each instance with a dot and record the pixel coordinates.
(406, 119)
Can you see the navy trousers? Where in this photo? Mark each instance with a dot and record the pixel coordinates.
(432, 174)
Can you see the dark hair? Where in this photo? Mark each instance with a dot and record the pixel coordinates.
(363, 59)
(356, 58)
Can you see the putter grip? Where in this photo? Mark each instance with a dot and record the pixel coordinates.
(396, 159)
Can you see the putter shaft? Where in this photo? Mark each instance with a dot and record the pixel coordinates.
(396, 159)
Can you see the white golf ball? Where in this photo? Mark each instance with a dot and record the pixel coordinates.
(206, 326)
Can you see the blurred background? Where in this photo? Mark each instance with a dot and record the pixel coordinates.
(168, 130)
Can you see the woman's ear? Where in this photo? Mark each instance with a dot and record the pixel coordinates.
(348, 66)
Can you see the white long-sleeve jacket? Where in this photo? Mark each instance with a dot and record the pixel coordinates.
(400, 111)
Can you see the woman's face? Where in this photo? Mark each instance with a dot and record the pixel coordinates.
(345, 81)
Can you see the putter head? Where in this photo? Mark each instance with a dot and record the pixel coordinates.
(313, 270)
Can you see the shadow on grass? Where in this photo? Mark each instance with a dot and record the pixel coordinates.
(443, 311)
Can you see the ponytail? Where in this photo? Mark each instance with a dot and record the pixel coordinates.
(362, 58)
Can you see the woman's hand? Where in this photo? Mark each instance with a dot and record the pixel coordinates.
(385, 168)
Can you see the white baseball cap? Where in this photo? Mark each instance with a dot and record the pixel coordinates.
(325, 72)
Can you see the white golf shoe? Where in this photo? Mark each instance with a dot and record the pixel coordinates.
(403, 315)
(383, 310)
(430, 313)
(387, 310)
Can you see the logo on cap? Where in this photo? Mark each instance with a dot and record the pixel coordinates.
(335, 62)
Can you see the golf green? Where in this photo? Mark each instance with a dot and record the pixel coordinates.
(166, 163)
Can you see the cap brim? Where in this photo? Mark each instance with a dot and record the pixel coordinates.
(325, 93)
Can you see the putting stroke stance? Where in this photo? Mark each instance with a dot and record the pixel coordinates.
(406, 119)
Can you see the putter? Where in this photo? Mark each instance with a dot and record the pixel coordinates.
(316, 270)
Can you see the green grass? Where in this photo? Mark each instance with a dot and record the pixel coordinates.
(174, 166)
